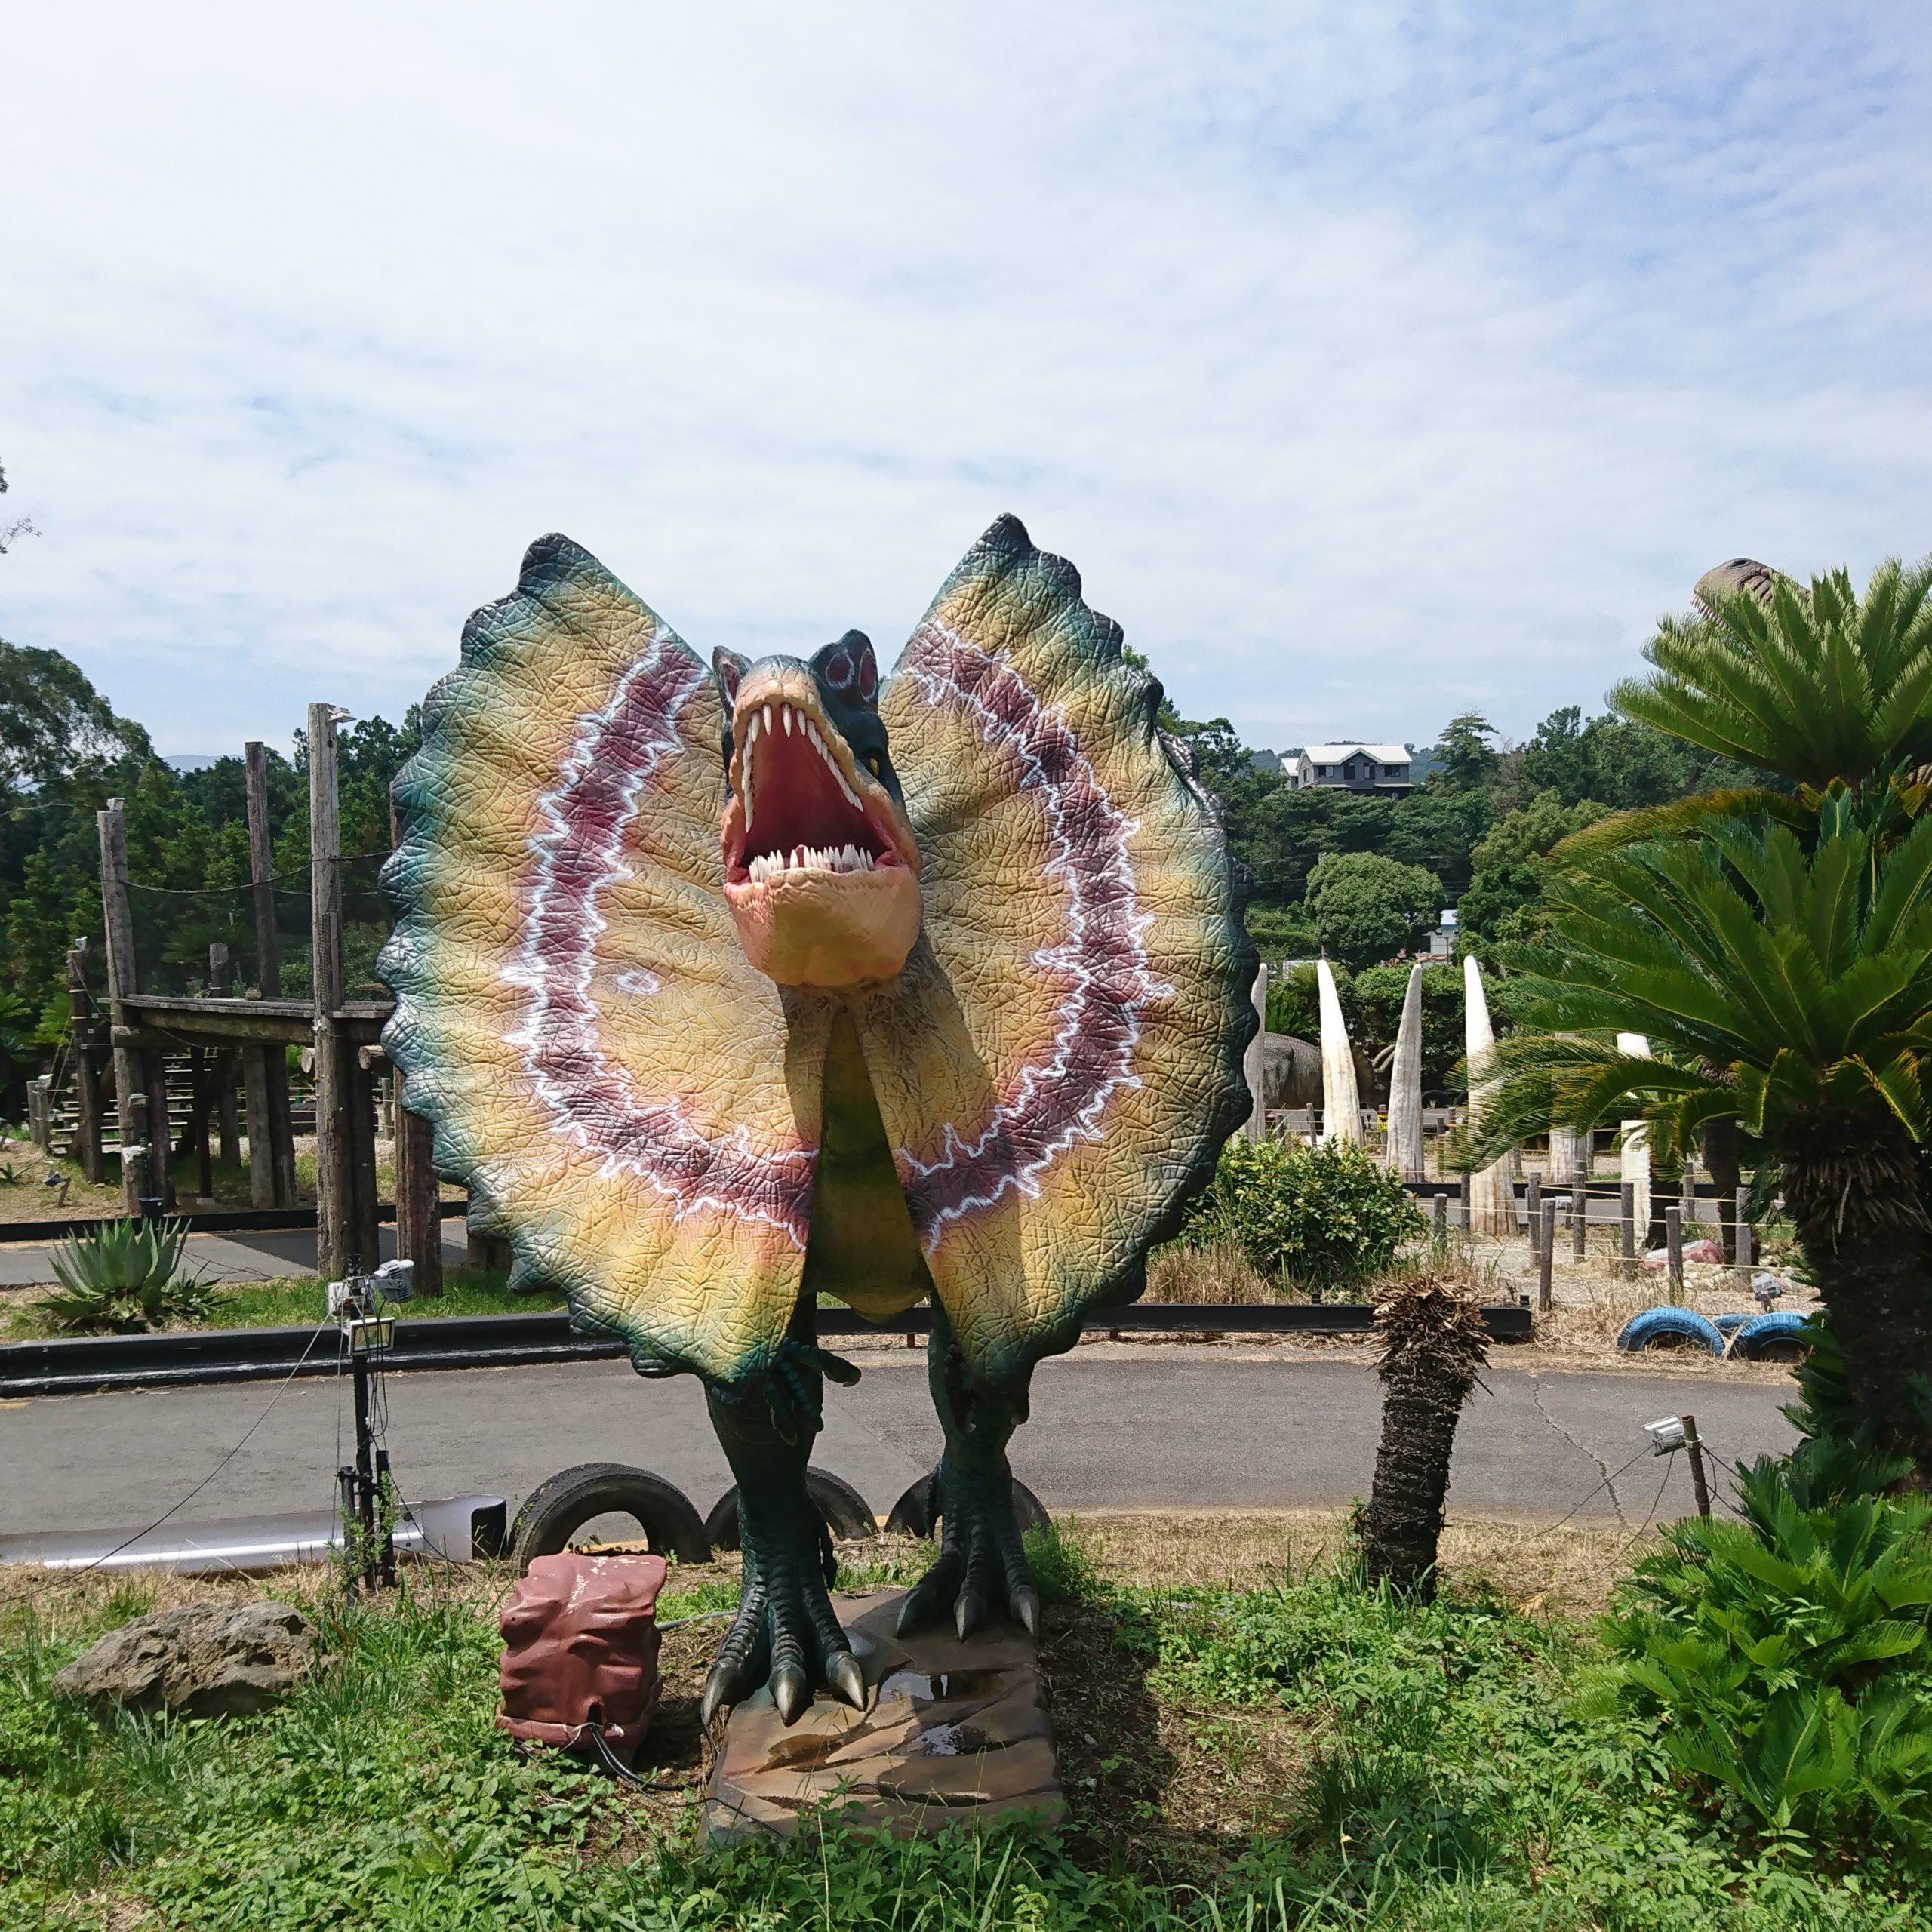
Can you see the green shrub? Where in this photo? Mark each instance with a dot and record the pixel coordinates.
(124, 1276)
(1321, 1217)
(1788, 1654)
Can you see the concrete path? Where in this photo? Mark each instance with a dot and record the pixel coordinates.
(1114, 1426)
(231, 1257)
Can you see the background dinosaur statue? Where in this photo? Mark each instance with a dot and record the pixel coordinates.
(933, 987)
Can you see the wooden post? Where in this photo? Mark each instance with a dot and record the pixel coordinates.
(1693, 1448)
(118, 923)
(1627, 1242)
(87, 1069)
(1673, 1241)
(1746, 1250)
(1547, 1259)
(259, 1115)
(335, 1085)
(161, 1130)
(1579, 1214)
(1438, 1218)
(1254, 1065)
(1533, 1210)
(419, 1227)
(276, 1151)
(202, 1080)
(227, 1062)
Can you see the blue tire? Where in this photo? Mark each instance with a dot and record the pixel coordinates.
(1729, 1324)
(1779, 1337)
(1671, 1328)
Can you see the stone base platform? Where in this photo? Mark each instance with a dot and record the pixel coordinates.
(952, 1732)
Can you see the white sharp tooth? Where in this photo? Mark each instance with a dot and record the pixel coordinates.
(768, 717)
(785, 712)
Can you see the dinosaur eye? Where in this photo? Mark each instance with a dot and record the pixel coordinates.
(874, 763)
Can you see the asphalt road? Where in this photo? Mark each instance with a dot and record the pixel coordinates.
(1114, 1426)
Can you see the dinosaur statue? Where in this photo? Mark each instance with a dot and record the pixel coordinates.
(728, 988)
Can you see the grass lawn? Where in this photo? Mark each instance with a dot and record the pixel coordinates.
(1248, 1741)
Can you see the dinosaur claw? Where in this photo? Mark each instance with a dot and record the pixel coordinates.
(971, 1610)
(717, 1688)
(842, 1673)
(791, 1691)
(1025, 1602)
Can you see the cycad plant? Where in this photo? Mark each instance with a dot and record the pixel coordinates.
(1786, 1655)
(1823, 691)
(1789, 990)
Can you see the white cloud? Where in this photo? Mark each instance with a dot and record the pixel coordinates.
(1370, 365)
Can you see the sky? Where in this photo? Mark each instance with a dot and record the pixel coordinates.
(1373, 364)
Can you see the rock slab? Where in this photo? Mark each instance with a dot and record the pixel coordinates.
(953, 1732)
(205, 1660)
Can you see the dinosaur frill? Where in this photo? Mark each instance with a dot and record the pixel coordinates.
(637, 1110)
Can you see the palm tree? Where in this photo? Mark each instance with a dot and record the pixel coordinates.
(1789, 990)
(1810, 686)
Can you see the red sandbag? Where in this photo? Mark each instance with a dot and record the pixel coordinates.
(580, 1650)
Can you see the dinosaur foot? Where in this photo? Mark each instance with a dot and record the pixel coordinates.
(785, 1636)
(981, 1571)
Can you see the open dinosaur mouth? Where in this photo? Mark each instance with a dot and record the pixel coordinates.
(802, 812)
(821, 870)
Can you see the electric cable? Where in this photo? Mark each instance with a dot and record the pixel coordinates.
(1605, 1485)
(281, 1390)
(1655, 1501)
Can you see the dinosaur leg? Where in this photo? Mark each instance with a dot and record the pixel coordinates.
(982, 1570)
(786, 1633)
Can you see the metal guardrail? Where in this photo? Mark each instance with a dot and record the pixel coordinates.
(92, 1364)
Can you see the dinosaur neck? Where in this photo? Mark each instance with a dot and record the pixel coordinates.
(861, 1250)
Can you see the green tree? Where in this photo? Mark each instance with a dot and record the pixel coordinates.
(1365, 908)
(1509, 867)
(1466, 756)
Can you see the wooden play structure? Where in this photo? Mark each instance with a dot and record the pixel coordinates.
(155, 1076)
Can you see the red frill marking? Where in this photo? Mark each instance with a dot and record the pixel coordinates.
(1101, 962)
(618, 752)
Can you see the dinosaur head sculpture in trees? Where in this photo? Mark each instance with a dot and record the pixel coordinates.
(933, 986)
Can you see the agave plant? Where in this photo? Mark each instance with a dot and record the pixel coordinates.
(122, 1278)
(1789, 990)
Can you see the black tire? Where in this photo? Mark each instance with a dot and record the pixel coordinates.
(559, 1506)
(917, 1513)
(841, 1508)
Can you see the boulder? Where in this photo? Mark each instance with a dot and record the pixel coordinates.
(205, 1660)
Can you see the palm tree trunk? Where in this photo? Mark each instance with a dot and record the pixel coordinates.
(1435, 1346)
(1857, 1193)
(1721, 1157)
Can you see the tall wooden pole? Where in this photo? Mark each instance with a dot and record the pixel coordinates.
(118, 923)
(335, 1203)
(86, 1068)
(272, 1157)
